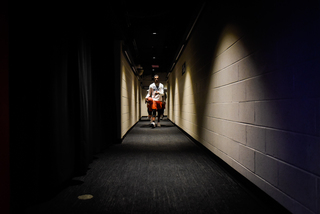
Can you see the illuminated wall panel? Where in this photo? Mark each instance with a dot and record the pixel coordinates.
(130, 96)
(251, 95)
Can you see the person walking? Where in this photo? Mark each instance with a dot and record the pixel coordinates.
(149, 101)
(156, 91)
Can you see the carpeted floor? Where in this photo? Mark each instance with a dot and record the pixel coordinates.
(155, 171)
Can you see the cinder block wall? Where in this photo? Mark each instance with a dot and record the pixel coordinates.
(251, 95)
(130, 96)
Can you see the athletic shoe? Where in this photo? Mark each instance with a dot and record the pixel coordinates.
(153, 125)
(159, 125)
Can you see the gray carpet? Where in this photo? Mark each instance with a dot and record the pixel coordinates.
(156, 171)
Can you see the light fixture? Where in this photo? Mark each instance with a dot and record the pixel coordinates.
(173, 66)
(127, 56)
(154, 57)
(154, 33)
(179, 52)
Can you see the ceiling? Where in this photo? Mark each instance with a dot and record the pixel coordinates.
(153, 33)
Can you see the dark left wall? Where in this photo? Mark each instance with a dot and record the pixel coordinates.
(61, 72)
(4, 110)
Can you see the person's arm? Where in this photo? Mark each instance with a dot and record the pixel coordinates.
(148, 94)
(161, 90)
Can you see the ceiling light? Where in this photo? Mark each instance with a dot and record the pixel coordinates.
(179, 52)
(154, 57)
(154, 33)
(127, 56)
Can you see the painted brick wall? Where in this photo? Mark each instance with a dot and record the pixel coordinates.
(251, 95)
(130, 96)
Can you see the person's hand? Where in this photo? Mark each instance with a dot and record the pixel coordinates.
(157, 92)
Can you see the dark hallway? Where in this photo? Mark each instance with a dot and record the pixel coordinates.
(242, 133)
(157, 171)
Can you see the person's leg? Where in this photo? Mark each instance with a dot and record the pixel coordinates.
(159, 107)
(149, 109)
(150, 115)
(160, 113)
(154, 111)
